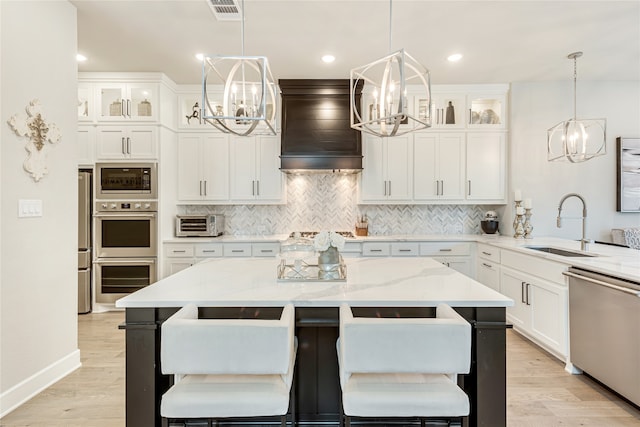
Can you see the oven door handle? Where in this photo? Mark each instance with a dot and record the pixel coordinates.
(101, 261)
(124, 215)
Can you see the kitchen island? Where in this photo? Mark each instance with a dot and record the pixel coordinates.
(375, 286)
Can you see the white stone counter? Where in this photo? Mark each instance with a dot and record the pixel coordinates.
(376, 282)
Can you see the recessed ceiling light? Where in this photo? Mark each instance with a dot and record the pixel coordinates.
(328, 58)
(455, 57)
(200, 56)
(80, 58)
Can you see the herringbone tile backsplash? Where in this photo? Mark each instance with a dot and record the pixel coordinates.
(329, 202)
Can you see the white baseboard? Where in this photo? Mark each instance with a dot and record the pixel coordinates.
(28, 388)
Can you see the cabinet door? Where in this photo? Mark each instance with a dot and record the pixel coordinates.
(172, 266)
(269, 178)
(489, 274)
(86, 104)
(513, 285)
(373, 186)
(142, 143)
(461, 265)
(86, 145)
(451, 166)
(426, 182)
(189, 167)
(486, 111)
(485, 166)
(448, 111)
(111, 143)
(142, 101)
(548, 313)
(243, 168)
(399, 169)
(214, 158)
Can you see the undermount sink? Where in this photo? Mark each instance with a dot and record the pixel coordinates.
(561, 252)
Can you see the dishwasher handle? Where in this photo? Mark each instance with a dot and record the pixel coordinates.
(601, 283)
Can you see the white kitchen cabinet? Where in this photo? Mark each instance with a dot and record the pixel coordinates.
(405, 249)
(255, 170)
(447, 110)
(178, 256)
(452, 254)
(372, 249)
(488, 266)
(540, 297)
(438, 166)
(486, 166)
(86, 103)
(387, 169)
(86, 144)
(486, 110)
(203, 167)
(265, 249)
(126, 142)
(127, 101)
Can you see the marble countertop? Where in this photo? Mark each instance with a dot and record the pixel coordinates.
(390, 282)
(612, 260)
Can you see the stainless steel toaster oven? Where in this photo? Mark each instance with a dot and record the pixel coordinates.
(210, 225)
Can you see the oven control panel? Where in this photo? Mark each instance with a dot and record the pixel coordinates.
(126, 206)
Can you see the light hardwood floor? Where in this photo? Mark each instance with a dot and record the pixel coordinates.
(539, 392)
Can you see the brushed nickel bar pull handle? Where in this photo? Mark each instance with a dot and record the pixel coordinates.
(124, 151)
(205, 187)
(470, 116)
(445, 250)
(128, 145)
(258, 188)
(237, 251)
(389, 188)
(375, 250)
(129, 107)
(253, 188)
(209, 251)
(175, 251)
(200, 187)
(527, 293)
(123, 106)
(522, 292)
(486, 253)
(442, 187)
(601, 283)
(404, 250)
(266, 251)
(469, 187)
(487, 265)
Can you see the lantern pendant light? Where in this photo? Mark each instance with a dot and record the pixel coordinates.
(386, 80)
(576, 140)
(239, 93)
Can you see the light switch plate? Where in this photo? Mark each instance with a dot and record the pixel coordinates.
(29, 208)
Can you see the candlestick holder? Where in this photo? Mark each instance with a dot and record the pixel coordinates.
(519, 230)
(528, 228)
(518, 203)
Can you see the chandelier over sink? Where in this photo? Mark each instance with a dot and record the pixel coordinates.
(386, 80)
(576, 140)
(246, 104)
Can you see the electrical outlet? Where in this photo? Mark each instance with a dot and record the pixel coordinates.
(29, 208)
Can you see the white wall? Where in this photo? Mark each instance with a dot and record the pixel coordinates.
(38, 279)
(535, 107)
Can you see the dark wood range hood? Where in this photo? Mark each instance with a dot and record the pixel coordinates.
(316, 130)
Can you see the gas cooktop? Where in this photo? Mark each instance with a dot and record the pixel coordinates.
(313, 233)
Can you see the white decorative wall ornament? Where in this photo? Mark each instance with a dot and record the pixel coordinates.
(39, 132)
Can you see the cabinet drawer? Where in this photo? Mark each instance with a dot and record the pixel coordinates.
(549, 270)
(208, 250)
(179, 251)
(265, 249)
(489, 274)
(376, 249)
(445, 248)
(237, 249)
(405, 249)
(488, 252)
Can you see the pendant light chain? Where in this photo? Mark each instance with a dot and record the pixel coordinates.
(242, 27)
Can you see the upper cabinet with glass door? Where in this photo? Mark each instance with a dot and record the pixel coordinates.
(447, 110)
(486, 111)
(127, 101)
(86, 106)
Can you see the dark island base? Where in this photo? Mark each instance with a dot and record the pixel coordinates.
(316, 390)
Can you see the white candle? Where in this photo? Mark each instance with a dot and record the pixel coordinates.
(518, 195)
(520, 210)
(527, 203)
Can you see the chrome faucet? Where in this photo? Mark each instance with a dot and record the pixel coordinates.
(583, 241)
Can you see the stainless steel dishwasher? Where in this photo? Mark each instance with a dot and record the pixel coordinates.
(604, 328)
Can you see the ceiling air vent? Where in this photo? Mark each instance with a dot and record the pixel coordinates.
(225, 10)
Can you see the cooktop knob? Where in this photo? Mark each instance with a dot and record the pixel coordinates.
(114, 206)
(147, 205)
(104, 206)
(137, 206)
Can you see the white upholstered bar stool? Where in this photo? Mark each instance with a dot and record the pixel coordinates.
(227, 368)
(404, 367)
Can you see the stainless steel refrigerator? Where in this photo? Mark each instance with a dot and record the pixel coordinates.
(84, 242)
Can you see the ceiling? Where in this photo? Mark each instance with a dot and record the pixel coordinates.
(502, 41)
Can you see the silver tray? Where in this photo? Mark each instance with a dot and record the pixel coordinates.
(312, 272)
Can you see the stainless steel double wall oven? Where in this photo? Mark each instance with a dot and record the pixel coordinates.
(126, 211)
